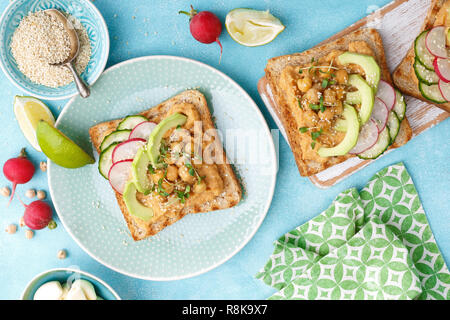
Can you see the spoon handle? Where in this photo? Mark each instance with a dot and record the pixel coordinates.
(82, 88)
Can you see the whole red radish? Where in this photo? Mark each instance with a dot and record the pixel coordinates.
(38, 215)
(205, 26)
(18, 170)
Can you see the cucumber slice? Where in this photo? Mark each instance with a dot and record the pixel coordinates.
(422, 54)
(379, 148)
(105, 160)
(400, 105)
(116, 136)
(424, 75)
(393, 126)
(128, 123)
(431, 93)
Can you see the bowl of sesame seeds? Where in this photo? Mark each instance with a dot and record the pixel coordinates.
(31, 42)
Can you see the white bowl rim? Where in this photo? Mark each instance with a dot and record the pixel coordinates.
(107, 44)
(271, 188)
(84, 273)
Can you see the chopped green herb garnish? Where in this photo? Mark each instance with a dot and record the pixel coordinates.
(332, 82)
(299, 104)
(313, 144)
(324, 83)
(314, 106)
(312, 59)
(200, 179)
(151, 169)
(183, 195)
(300, 71)
(321, 106)
(303, 129)
(191, 169)
(316, 134)
(161, 190)
(179, 126)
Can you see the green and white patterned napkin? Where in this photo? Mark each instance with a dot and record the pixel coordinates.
(375, 244)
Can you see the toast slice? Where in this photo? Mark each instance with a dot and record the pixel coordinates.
(404, 75)
(284, 109)
(231, 193)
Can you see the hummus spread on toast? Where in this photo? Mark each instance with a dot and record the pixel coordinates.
(318, 90)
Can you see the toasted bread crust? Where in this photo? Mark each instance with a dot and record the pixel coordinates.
(283, 109)
(404, 76)
(230, 196)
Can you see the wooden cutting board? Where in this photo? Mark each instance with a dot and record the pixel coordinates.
(399, 24)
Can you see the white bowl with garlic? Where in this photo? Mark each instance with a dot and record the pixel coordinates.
(68, 284)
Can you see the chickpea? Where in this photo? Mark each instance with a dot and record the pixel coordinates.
(158, 175)
(199, 187)
(338, 108)
(310, 117)
(341, 76)
(304, 84)
(167, 187)
(325, 73)
(183, 171)
(29, 234)
(62, 254)
(30, 193)
(312, 95)
(5, 191)
(43, 166)
(329, 97)
(172, 173)
(41, 195)
(11, 229)
(327, 114)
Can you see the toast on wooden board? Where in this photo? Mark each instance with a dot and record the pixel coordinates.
(231, 193)
(404, 75)
(284, 109)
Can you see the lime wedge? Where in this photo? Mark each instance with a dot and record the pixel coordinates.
(252, 28)
(59, 148)
(29, 111)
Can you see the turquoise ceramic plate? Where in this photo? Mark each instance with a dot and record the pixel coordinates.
(197, 243)
(86, 12)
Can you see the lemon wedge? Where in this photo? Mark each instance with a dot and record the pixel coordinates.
(59, 148)
(252, 28)
(29, 111)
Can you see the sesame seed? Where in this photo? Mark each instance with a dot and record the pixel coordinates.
(39, 41)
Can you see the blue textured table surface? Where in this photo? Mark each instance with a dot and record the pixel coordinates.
(140, 27)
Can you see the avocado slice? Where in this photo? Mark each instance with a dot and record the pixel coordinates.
(366, 94)
(368, 63)
(154, 141)
(139, 169)
(351, 135)
(133, 205)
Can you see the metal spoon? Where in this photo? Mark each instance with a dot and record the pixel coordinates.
(82, 88)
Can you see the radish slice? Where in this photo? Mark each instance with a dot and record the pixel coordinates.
(442, 68)
(119, 173)
(380, 114)
(142, 130)
(436, 42)
(386, 92)
(127, 149)
(367, 138)
(444, 88)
